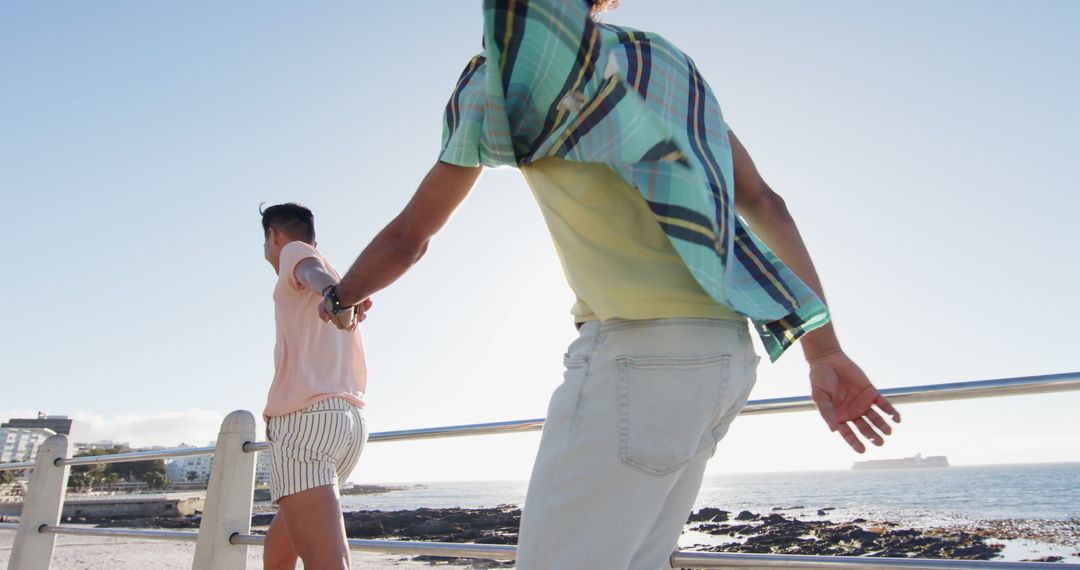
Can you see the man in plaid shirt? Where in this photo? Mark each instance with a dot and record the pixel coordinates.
(650, 200)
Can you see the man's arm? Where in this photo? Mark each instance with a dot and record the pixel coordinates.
(405, 239)
(840, 389)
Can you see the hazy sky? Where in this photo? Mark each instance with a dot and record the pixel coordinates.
(928, 150)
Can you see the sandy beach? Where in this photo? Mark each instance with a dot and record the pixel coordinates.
(95, 553)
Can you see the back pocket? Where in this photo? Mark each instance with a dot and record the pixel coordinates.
(666, 406)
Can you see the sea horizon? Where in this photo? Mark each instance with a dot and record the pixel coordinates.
(397, 482)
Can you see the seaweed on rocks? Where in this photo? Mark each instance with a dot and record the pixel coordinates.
(773, 533)
(496, 525)
(776, 534)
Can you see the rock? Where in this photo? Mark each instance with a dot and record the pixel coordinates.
(364, 528)
(497, 538)
(1046, 559)
(709, 515)
(777, 541)
(773, 519)
(432, 526)
(497, 525)
(710, 528)
(355, 489)
(773, 533)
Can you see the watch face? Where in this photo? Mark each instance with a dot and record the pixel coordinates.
(335, 305)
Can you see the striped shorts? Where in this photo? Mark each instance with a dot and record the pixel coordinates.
(318, 445)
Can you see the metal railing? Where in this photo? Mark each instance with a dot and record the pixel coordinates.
(225, 529)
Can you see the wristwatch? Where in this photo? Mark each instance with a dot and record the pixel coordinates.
(331, 302)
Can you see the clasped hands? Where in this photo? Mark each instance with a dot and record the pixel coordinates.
(348, 319)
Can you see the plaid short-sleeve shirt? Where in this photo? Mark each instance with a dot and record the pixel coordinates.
(553, 83)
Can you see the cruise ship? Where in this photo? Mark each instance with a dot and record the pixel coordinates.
(918, 461)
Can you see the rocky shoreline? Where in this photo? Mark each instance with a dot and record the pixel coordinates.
(746, 532)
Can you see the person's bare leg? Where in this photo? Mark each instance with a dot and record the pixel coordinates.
(278, 553)
(316, 527)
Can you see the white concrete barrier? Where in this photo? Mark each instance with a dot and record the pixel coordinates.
(33, 549)
(228, 498)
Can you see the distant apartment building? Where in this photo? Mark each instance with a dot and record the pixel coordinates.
(197, 468)
(83, 448)
(21, 444)
(193, 469)
(74, 429)
(262, 468)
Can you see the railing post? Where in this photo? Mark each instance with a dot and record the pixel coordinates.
(44, 502)
(228, 497)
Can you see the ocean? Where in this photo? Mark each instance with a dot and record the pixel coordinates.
(1038, 505)
(917, 497)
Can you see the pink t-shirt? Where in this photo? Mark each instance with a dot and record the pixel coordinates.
(313, 360)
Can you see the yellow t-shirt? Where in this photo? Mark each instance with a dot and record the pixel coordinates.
(617, 259)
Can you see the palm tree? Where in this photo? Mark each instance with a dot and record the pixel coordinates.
(112, 479)
(155, 480)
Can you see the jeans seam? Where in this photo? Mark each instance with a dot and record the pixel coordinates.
(542, 518)
(726, 380)
(584, 379)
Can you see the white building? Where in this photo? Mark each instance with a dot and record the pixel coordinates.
(81, 448)
(179, 468)
(21, 444)
(75, 430)
(262, 468)
(198, 465)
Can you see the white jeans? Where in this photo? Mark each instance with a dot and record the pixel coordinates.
(627, 435)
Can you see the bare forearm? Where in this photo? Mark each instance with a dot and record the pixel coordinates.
(768, 216)
(405, 240)
(771, 221)
(382, 262)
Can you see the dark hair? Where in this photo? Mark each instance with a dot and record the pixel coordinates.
(291, 219)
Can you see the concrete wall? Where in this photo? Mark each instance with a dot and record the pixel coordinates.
(129, 507)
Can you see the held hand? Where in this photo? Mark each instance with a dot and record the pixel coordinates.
(344, 320)
(324, 313)
(844, 395)
(362, 309)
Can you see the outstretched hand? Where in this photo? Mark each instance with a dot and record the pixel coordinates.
(845, 397)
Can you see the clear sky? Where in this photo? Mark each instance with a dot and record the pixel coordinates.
(928, 150)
